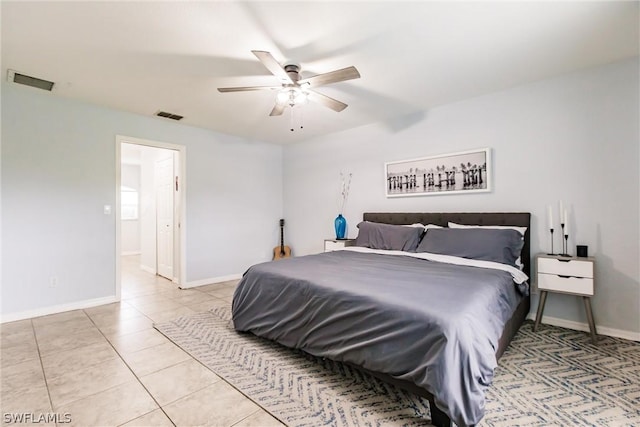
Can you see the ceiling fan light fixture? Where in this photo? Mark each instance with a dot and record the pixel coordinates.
(300, 98)
(282, 96)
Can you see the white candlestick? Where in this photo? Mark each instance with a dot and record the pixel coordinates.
(561, 212)
(566, 223)
(550, 217)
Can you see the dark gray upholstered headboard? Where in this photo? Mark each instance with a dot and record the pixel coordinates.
(522, 219)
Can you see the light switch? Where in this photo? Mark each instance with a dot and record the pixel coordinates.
(107, 209)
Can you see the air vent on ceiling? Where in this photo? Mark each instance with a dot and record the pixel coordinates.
(169, 115)
(23, 79)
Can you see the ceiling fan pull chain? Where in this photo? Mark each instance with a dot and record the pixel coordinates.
(301, 118)
(291, 109)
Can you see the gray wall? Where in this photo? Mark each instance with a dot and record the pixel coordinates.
(58, 171)
(573, 138)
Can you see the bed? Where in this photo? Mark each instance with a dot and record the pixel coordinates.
(415, 318)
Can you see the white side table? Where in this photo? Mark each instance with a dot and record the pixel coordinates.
(566, 275)
(333, 244)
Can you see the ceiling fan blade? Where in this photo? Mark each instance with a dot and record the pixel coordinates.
(348, 73)
(247, 88)
(278, 109)
(272, 65)
(327, 101)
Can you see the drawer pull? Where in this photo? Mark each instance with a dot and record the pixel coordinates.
(565, 277)
(564, 260)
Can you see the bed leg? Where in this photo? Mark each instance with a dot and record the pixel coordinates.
(438, 418)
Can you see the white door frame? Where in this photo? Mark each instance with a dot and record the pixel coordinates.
(182, 173)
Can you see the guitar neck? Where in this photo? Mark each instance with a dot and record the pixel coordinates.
(282, 240)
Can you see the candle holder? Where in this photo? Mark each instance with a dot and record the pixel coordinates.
(565, 245)
(563, 253)
(551, 231)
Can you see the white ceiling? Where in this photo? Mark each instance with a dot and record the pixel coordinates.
(149, 56)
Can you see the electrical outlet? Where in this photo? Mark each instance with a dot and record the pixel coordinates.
(53, 282)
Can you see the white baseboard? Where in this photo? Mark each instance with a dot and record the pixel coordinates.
(578, 326)
(44, 311)
(127, 253)
(210, 281)
(147, 269)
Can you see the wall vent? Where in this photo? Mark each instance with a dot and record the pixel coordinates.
(23, 79)
(169, 115)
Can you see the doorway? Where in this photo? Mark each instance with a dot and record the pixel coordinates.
(150, 207)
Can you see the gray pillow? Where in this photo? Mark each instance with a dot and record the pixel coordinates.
(390, 237)
(503, 246)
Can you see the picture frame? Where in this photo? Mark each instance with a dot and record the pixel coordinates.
(463, 172)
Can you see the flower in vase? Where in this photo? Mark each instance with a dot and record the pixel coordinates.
(345, 184)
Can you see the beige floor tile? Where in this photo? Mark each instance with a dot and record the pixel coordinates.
(153, 359)
(59, 317)
(18, 353)
(67, 327)
(158, 306)
(212, 287)
(33, 400)
(260, 419)
(130, 294)
(178, 293)
(9, 338)
(127, 326)
(231, 283)
(129, 343)
(20, 376)
(111, 407)
(50, 344)
(207, 305)
(155, 418)
(17, 327)
(107, 308)
(85, 382)
(67, 362)
(147, 299)
(109, 319)
(162, 316)
(217, 405)
(177, 381)
(193, 298)
(222, 293)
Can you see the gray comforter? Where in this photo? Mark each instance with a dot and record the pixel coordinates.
(434, 324)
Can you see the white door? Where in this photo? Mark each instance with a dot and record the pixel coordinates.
(164, 217)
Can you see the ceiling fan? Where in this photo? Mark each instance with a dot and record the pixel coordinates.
(293, 90)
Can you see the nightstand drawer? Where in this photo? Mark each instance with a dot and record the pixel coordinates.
(573, 285)
(576, 268)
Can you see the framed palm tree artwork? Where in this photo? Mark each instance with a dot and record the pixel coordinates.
(464, 172)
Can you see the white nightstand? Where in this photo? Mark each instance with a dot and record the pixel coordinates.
(566, 275)
(333, 244)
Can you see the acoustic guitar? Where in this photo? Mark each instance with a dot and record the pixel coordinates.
(281, 251)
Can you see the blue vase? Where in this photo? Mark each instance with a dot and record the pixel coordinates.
(341, 226)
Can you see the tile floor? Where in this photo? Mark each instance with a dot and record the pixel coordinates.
(107, 366)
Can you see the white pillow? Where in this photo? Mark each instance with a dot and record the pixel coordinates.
(520, 230)
(426, 227)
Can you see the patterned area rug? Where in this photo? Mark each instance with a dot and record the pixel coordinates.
(554, 377)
